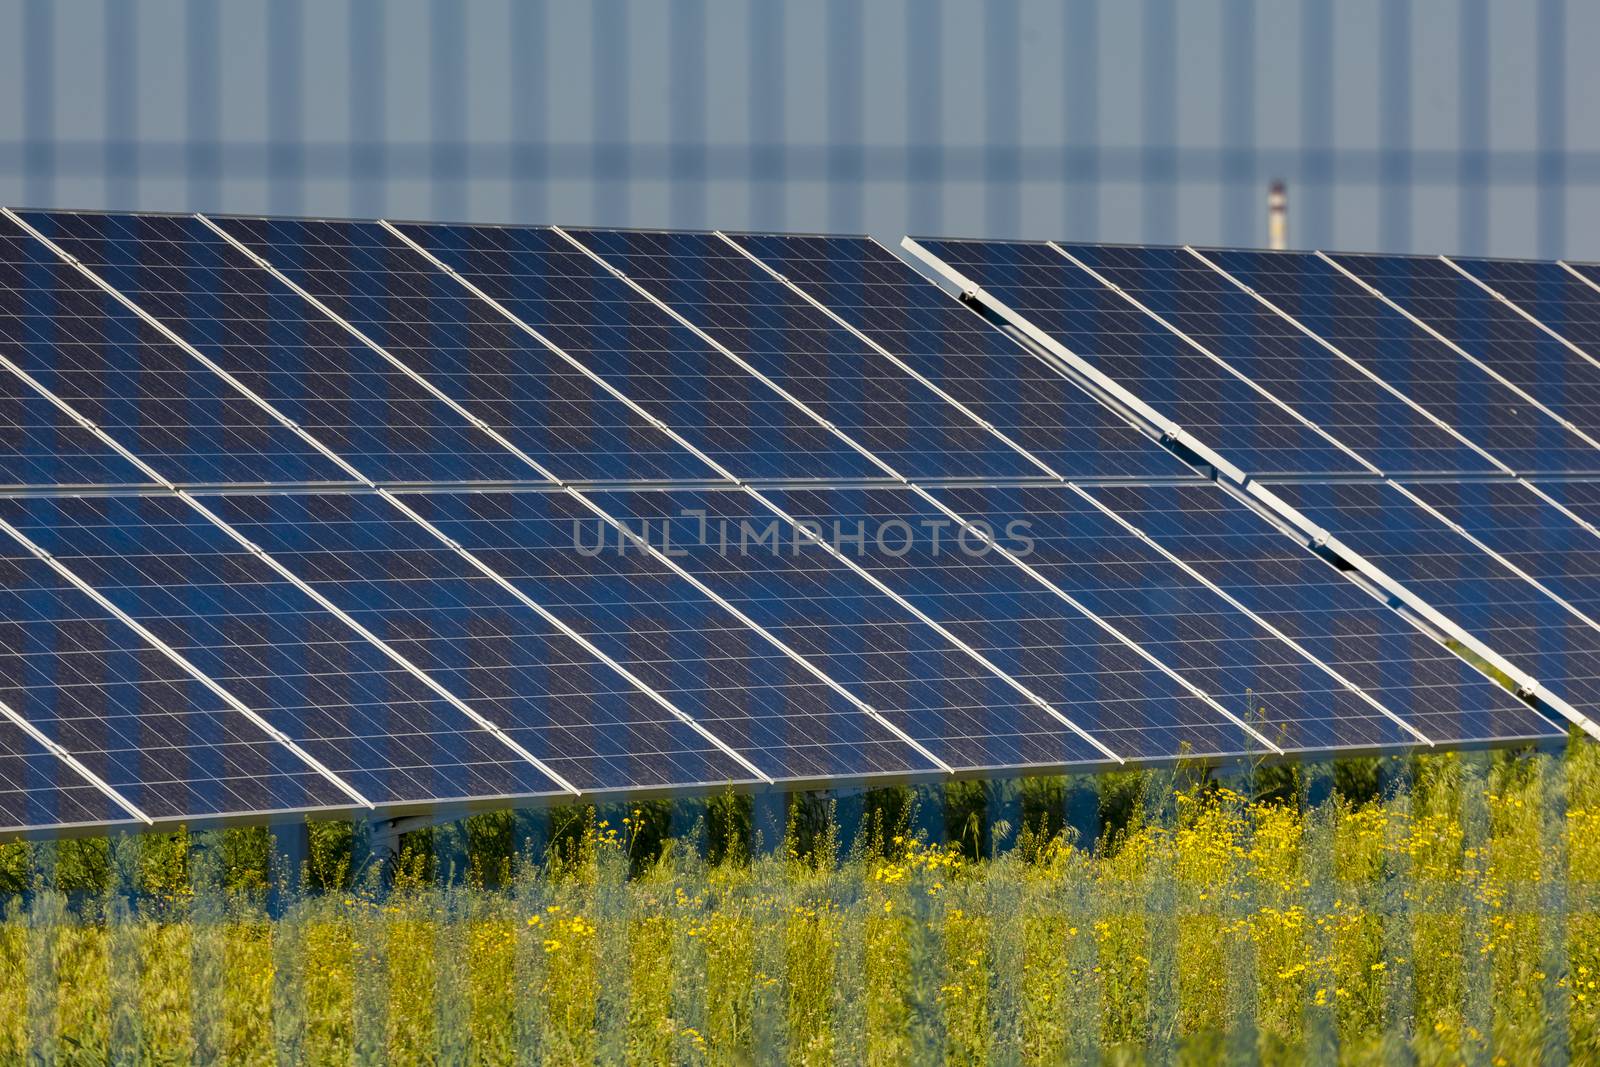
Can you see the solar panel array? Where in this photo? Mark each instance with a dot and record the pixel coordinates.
(305, 516)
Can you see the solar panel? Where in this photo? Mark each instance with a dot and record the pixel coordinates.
(923, 683)
(1285, 694)
(118, 371)
(1532, 534)
(520, 671)
(809, 355)
(437, 327)
(1466, 584)
(278, 345)
(1343, 626)
(271, 644)
(677, 639)
(1032, 633)
(1148, 359)
(891, 304)
(296, 665)
(1489, 330)
(1267, 349)
(1486, 410)
(38, 791)
(658, 363)
(127, 712)
(1558, 296)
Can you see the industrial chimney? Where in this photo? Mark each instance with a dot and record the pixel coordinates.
(1277, 216)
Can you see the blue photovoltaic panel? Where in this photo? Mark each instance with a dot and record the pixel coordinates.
(808, 354)
(643, 352)
(1490, 331)
(39, 791)
(1534, 535)
(1168, 612)
(40, 445)
(1030, 402)
(676, 639)
(1450, 573)
(897, 664)
(1414, 676)
(468, 350)
(1267, 349)
(1149, 360)
(1559, 298)
(129, 713)
(118, 371)
(544, 689)
(1030, 632)
(295, 664)
(1480, 407)
(366, 410)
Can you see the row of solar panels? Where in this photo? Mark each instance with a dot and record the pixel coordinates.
(298, 514)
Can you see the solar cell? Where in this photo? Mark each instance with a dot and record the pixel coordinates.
(889, 302)
(631, 343)
(1415, 677)
(40, 445)
(1155, 364)
(1489, 330)
(278, 345)
(673, 636)
(903, 668)
(1124, 580)
(1558, 297)
(299, 667)
(1534, 535)
(118, 371)
(119, 705)
(797, 346)
(1032, 633)
(1267, 349)
(564, 704)
(1481, 407)
(1467, 585)
(468, 350)
(39, 791)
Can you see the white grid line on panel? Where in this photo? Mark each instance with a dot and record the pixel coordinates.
(72, 762)
(1171, 327)
(590, 505)
(957, 518)
(1463, 353)
(1340, 354)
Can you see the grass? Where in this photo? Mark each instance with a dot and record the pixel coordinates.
(1442, 911)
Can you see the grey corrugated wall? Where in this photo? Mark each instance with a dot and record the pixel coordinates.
(1428, 125)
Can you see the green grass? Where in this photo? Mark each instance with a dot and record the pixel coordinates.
(1454, 920)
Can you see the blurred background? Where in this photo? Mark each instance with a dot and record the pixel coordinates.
(1399, 125)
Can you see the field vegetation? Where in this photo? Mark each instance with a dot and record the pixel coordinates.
(1439, 909)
